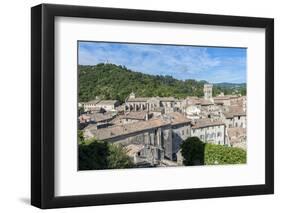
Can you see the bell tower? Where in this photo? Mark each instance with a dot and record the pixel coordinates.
(132, 95)
(208, 91)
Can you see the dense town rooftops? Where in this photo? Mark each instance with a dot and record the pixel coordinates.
(204, 102)
(235, 111)
(125, 129)
(203, 123)
(234, 114)
(97, 117)
(101, 102)
(225, 97)
(135, 115)
(177, 118)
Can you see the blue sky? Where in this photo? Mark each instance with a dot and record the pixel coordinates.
(212, 64)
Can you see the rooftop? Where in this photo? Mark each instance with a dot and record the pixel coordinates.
(141, 115)
(97, 117)
(125, 129)
(107, 102)
(92, 102)
(178, 118)
(235, 111)
(225, 97)
(145, 99)
(138, 99)
(201, 123)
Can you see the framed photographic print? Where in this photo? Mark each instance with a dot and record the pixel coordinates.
(139, 106)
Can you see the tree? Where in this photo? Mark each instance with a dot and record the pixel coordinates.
(111, 81)
(192, 150)
(218, 154)
(118, 158)
(93, 155)
(195, 152)
(80, 136)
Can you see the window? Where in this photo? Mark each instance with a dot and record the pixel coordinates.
(218, 134)
(182, 132)
(187, 131)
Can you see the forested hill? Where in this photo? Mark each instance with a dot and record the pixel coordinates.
(110, 81)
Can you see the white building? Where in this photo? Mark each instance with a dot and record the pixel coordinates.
(97, 105)
(209, 131)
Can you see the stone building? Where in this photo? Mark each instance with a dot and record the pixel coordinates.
(154, 135)
(237, 137)
(90, 105)
(133, 117)
(208, 91)
(181, 130)
(235, 116)
(96, 105)
(99, 119)
(108, 105)
(209, 131)
(151, 104)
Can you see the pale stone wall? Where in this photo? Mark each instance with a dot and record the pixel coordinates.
(167, 142)
(107, 107)
(236, 121)
(180, 134)
(157, 142)
(211, 134)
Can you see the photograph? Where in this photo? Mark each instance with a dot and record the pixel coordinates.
(133, 105)
(160, 105)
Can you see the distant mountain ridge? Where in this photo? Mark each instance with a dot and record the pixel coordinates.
(230, 85)
(110, 81)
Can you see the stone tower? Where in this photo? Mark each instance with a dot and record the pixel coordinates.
(208, 91)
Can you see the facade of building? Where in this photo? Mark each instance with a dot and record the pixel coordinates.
(209, 131)
(97, 105)
(154, 135)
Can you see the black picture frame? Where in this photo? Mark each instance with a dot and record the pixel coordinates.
(43, 114)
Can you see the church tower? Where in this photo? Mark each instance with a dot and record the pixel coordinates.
(208, 91)
(132, 95)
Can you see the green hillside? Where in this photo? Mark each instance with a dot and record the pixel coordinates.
(110, 81)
